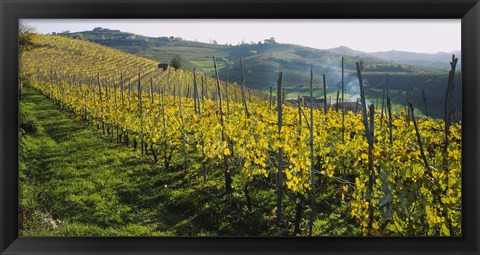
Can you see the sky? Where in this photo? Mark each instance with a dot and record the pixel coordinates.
(425, 36)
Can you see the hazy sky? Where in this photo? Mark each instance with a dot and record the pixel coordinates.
(426, 36)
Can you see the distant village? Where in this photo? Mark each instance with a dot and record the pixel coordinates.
(109, 33)
(319, 102)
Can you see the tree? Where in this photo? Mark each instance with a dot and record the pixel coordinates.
(25, 43)
(176, 62)
(78, 36)
(25, 37)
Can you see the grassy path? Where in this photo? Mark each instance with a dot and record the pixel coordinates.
(75, 182)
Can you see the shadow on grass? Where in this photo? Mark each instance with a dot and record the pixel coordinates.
(98, 187)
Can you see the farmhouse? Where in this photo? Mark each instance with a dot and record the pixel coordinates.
(290, 100)
(349, 106)
(318, 102)
(163, 66)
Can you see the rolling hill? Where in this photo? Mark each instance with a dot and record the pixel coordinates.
(439, 60)
(264, 60)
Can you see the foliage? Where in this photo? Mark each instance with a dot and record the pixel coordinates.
(176, 62)
(25, 37)
(408, 197)
(28, 125)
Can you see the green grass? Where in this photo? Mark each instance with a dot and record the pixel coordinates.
(68, 171)
(76, 182)
(206, 66)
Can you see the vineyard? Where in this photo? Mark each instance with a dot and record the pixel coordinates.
(326, 171)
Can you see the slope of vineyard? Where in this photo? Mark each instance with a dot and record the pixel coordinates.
(77, 61)
(234, 137)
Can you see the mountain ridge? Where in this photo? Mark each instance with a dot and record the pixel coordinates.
(438, 59)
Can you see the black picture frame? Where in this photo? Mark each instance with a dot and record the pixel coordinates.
(466, 10)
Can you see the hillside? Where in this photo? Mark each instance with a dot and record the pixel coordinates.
(109, 145)
(80, 61)
(264, 60)
(439, 60)
(268, 57)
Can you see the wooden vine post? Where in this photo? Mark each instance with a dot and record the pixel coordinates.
(383, 104)
(243, 89)
(343, 103)
(107, 103)
(299, 116)
(271, 90)
(369, 134)
(300, 204)
(336, 104)
(448, 109)
(425, 102)
(371, 178)
(166, 159)
(280, 150)
(419, 139)
(184, 139)
(139, 111)
(312, 181)
(226, 92)
(121, 88)
(115, 105)
(101, 102)
(407, 111)
(203, 92)
(448, 121)
(195, 91)
(228, 178)
(130, 92)
(389, 109)
(151, 90)
(325, 93)
(199, 112)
